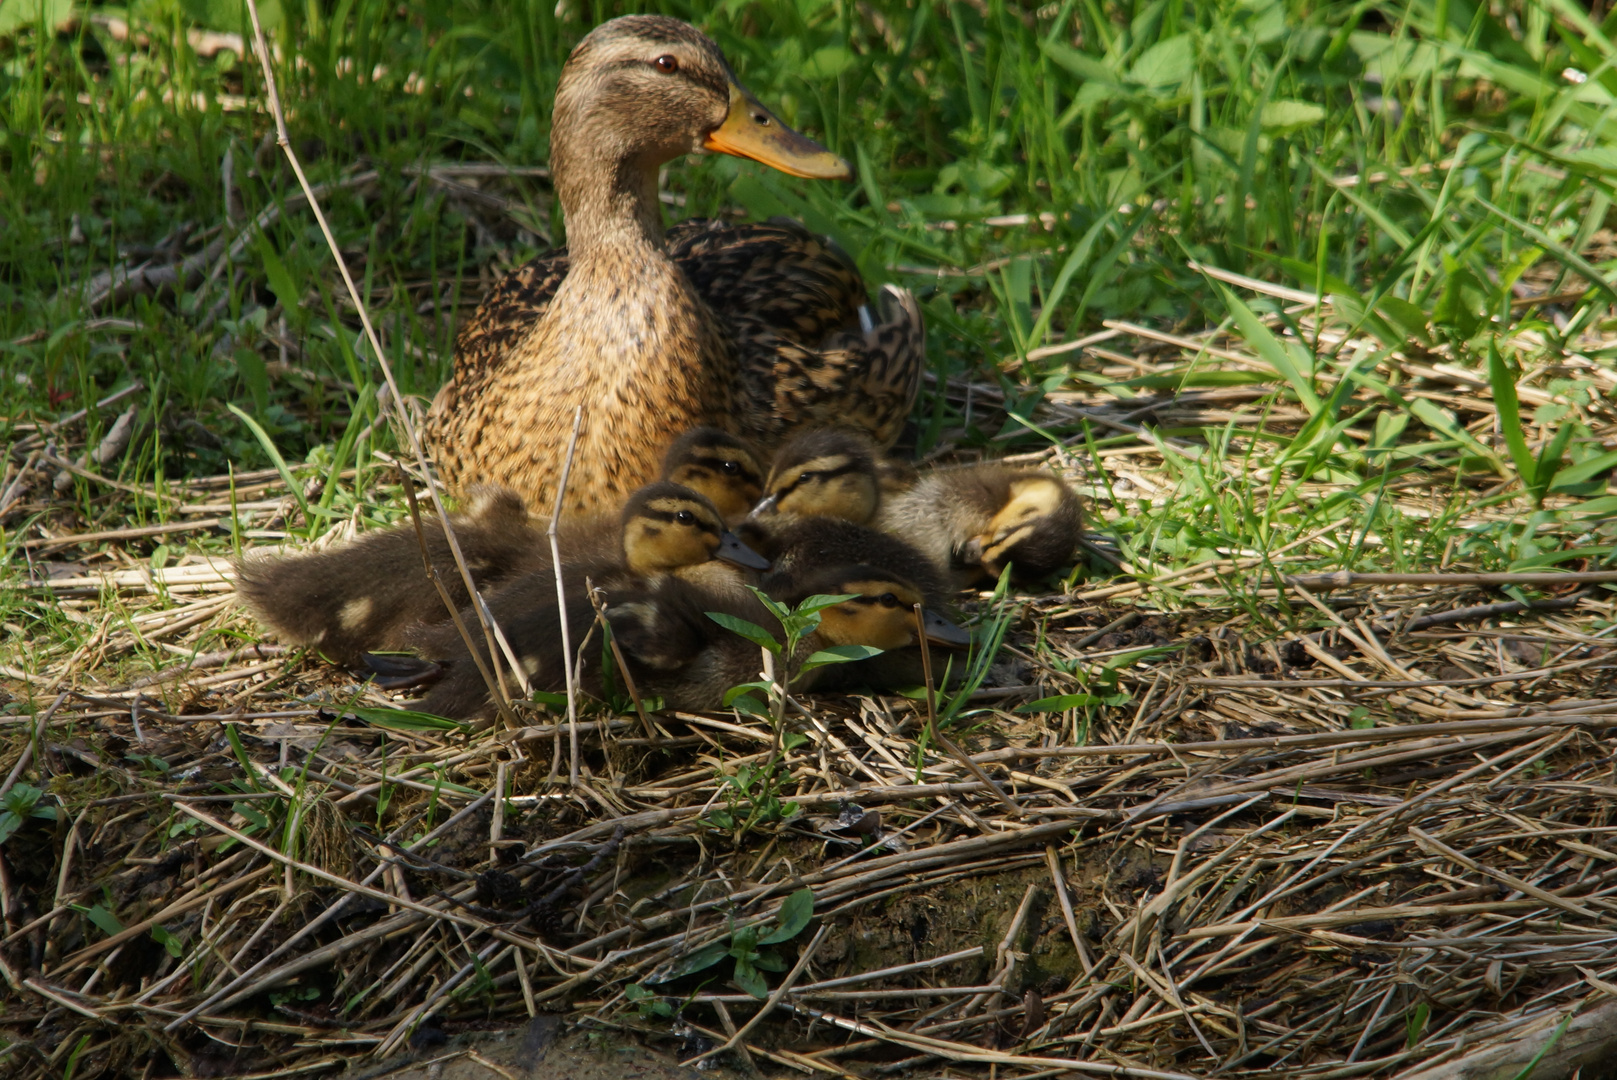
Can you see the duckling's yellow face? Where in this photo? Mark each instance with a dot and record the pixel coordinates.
(649, 88)
(881, 614)
(718, 466)
(837, 484)
(1040, 511)
(666, 527)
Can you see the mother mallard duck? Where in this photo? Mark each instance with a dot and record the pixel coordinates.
(756, 329)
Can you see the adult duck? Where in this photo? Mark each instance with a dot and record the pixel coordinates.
(756, 329)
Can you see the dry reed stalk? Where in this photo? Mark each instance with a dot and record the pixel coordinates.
(561, 604)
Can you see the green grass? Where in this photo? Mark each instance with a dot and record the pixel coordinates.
(1147, 135)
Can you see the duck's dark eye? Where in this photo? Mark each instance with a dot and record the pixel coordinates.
(889, 600)
(685, 517)
(731, 468)
(667, 64)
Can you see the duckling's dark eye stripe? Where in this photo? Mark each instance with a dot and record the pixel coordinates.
(720, 462)
(672, 517)
(820, 474)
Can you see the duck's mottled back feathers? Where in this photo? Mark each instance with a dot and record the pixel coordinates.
(792, 303)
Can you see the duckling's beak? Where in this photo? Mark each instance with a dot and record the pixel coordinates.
(972, 553)
(732, 550)
(752, 131)
(943, 631)
(765, 507)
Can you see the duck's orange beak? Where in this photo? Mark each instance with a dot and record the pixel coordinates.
(752, 131)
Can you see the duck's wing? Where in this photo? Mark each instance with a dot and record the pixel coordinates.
(810, 350)
(483, 344)
(507, 312)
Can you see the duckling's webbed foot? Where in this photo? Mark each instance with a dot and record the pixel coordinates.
(391, 671)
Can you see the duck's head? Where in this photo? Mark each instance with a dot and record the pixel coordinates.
(828, 473)
(667, 527)
(879, 611)
(1036, 530)
(719, 465)
(641, 90)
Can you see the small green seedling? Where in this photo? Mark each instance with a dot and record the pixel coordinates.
(749, 946)
(20, 804)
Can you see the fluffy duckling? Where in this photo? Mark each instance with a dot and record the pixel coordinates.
(969, 521)
(684, 657)
(369, 593)
(824, 489)
(978, 518)
(719, 465)
(668, 533)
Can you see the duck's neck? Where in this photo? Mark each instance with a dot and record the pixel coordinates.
(610, 201)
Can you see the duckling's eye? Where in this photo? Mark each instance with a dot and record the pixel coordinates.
(889, 600)
(685, 517)
(731, 468)
(667, 64)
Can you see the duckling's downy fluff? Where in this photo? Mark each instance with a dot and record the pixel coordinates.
(367, 594)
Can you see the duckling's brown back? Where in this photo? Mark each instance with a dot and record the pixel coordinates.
(804, 545)
(368, 594)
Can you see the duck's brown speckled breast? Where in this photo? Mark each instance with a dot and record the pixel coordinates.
(633, 344)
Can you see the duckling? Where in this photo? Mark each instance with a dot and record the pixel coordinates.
(667, 532)
(759, 329)
(977, 519)
(823, 489)
(969, 521)
(718, 465)
(368, 594)
(684, 657)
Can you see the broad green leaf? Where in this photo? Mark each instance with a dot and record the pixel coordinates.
(840, 654)
(256, 822)
(26, 14)
(105, 920)
(1165, 64)
(1290, 115)
(749, 630)
(820, 602)
(1081, 64)
(680, 966)
(170, 943)
(795, 914)
(1573, 475)
(748, 978)
(750, 705)
(827, 63)
(9, 823)
(22, 798)
(1444, 423)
